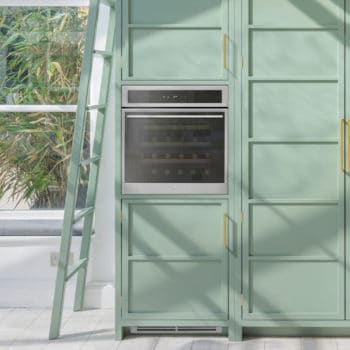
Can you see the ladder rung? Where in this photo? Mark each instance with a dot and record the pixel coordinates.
(81, 263)
(93, 160)
(93, 107)
(104, 53)
(82, 213)
(109, 3)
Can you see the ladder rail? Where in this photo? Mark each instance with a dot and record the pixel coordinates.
(95, 168)
(74, 172)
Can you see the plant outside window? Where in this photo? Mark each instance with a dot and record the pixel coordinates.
(40, 62)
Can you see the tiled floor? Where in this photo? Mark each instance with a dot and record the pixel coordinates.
(93, 330)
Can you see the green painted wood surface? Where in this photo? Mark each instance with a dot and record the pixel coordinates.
(115, 110)
(292, 193)
(295, 13)
(293, 189)
(180, 12)
(313, 103)
(289, 53)
(175, 265)
(295, 289)
(293, 170)
(347, 178)
(306, 234)
(73, 180)
(182, 40)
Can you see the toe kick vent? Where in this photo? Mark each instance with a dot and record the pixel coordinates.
(176, 330)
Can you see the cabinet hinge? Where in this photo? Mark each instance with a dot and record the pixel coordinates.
(242, 300)
(121, 216)
(242, 62)
(242, 216)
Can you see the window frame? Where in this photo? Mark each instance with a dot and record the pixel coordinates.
(18, 108)
(47, 3)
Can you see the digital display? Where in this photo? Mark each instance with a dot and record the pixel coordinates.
(174, 96)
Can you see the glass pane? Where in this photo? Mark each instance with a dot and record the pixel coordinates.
(175, 149)
(40, 54)
(35, 152)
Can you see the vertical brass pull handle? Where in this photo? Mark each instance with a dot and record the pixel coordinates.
(225, 231)
(347, 140)
(342, 125)
(225, 51)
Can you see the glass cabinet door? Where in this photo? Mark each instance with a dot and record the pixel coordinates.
(174, 147)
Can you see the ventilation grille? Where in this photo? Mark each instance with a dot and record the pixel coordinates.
(176, 330)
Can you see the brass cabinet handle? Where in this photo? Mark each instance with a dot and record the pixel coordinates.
(348, 143)
(342, 125)
(225, 231)
(225, 51)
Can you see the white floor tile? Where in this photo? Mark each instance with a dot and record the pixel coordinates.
(23, 329)
(138, 343)
(102, 338)
(7, 337)
(217, 343)
(4, 313)
(31, 340)
(250, 344)
(319, 344)
(67, 343)
(19, 319)
(343, 343)
(282, 344)
(101, 341)
(174, 343)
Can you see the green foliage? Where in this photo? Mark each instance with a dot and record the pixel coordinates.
(42, 48)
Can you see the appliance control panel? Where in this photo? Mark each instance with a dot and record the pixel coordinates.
(174, 96)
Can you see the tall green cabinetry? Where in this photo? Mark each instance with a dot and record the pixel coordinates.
(174, 262)
(285, 265)
(293, 183)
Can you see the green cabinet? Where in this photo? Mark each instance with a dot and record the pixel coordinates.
(289, 167)
(174, 260)
(293, 184)
(174, 40)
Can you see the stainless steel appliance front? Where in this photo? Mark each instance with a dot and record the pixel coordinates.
(174, 150)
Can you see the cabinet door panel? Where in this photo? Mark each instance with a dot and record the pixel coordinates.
(289, 53)
(295, 289)
(174, 259)
(292, 171)
(294, 230)
(181, 288)
(293, 183)
(294, 110)
(169, 53)
(180, 12)
(295, 12)
(173, 229)
(175, 40)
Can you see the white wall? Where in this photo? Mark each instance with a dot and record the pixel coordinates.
(26, 276)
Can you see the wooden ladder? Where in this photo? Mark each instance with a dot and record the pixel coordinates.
(71, 216)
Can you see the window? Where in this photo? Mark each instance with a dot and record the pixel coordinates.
(41, 51)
